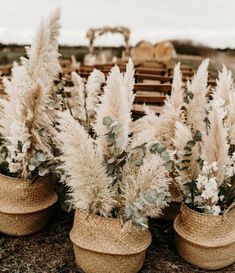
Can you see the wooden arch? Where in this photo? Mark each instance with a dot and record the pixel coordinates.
(94, 33)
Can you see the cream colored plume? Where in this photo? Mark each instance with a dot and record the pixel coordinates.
(42, 62)
(215, 147)
(129, 82)
(171, 110)
(182, 136)
(90, 186)
(115, 105)
(224, 87)
(77, 101)
(145, 191)
(197, 107)
(224, 100)
(93, 91)
(145, 128)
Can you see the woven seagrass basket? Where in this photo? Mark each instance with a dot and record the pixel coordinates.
(206, 241)
(104, 245)
(25, 205)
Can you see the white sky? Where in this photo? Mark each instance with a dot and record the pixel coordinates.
(211, 22)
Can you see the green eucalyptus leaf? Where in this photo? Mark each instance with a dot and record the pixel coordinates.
(188, 154)
(153, 148)
(139, 162)
(185, 161)
(186, 100)
(110, 137)
(198, 136)
(169, 165)
(107, 121)
(190, 95)
(31, 167)
(191, 143)
(41, 157)
(161, 148)
(110, 168)
(165, 156)
(43, 172)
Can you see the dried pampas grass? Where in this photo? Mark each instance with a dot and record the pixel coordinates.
(215, 147)
(198, 106)
(90, 186)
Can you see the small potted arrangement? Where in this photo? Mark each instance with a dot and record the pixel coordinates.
(205, 172)
(162, 128)
(114, 186)
(26, 128)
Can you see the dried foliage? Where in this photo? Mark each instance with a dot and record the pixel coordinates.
(91, 187)
(204, 144)
(108, 175)
(197, 104)
(26, 119)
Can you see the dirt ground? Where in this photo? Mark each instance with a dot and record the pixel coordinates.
(50, 251)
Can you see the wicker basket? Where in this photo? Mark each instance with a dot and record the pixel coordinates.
(25, 206)
(104, 245)
(206, 241)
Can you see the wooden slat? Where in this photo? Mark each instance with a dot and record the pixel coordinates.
(149, 97)
(165, 88)
(140, 109)
(153, 71)
(140, 77)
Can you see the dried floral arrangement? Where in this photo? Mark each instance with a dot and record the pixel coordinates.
(107, 174)
(26, 120)
(205, 148)
(82, 99)
(199, 127)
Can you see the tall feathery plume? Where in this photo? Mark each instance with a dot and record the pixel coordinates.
(26, 105)
(231, 118)
(145, 192)
(42, 62)
(77, 102)
(114, 107)
(144, 129)
(198, 105)
(129, 82)
(171, 110)
(91, 188)
(188, 167)
(93, 91)
(224, 100)
(215, 147)
(224, 87)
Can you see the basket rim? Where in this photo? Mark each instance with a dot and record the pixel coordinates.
(25, 179)
(112, 220)
(197, 244)
(183, 204)
(16, 182)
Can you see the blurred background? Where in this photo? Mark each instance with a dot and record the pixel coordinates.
(101, 31)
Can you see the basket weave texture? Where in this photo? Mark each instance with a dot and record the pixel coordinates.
(206, 241)
(25, 206)
(105, 245)
(18, 196)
